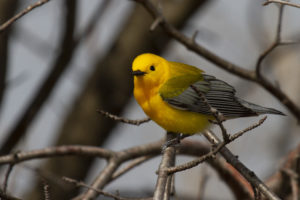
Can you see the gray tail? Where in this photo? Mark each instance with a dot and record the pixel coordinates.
(259, 109)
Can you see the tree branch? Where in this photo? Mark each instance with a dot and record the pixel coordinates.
(168, 160)
(240, 167)
(124, 120)
(191, 44)
(21, 14)
(6, 178)
(114, 162)
(215, 150)
(277, 42)
(139, 153)
(56, 151)
(282, 3)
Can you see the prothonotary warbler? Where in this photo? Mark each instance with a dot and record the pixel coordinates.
(166, 92)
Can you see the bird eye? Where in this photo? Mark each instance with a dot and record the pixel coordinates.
(152, 68)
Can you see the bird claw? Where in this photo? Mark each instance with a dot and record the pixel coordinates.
(174, 142)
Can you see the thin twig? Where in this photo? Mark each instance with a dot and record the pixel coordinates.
(45, 176)
(193, 163)
(240, 133)
(276, 43)
(21, 14)
(82, 184)
(155, 23)
(195, 36)
(130, 166)
(217, 115)
(124, 120)
(107, 194)
(7, 174)
(282, 3)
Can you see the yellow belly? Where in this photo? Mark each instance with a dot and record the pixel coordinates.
(172, 119)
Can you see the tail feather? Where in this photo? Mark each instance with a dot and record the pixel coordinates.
(259, 109)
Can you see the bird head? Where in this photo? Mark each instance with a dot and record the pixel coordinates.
(149, 69)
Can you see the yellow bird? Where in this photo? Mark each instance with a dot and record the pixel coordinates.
(167, 92)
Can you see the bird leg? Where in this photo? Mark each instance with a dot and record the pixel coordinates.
(215, 121)
(174, 141)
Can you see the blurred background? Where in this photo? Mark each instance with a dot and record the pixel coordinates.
(66, 59)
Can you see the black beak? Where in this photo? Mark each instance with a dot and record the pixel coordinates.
(138, 73)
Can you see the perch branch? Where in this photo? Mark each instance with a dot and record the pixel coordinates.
(168, 160)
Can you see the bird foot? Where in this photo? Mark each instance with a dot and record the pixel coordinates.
(174, 142)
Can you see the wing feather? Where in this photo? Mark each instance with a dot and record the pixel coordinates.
(219, 95)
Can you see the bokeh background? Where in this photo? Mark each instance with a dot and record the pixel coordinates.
(91, 45)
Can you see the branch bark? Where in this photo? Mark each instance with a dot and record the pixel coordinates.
(168, 160)
(241, 168)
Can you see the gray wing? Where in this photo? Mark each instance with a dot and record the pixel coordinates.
(219, 95)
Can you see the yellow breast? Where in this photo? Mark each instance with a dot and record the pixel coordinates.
(169, 118)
